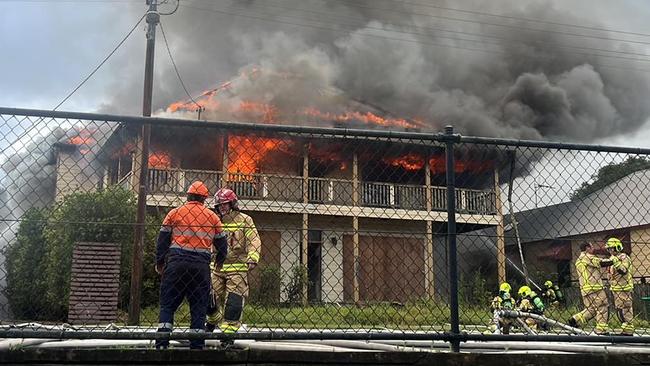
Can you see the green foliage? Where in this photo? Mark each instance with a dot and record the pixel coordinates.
(609, 174)
(101, 217)
(473, 289)
(24, 264)
(39, 261)
(297, 281)
(268, 292)
(150, 279)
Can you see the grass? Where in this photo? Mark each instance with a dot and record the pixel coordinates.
(421, 315)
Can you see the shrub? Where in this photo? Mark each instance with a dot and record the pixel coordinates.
(25, 265)
(268, 292)
(297, 281)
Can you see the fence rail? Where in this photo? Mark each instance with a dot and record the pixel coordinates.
(352, 238)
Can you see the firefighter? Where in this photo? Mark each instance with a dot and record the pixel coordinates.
(183, 252)
(621, 284)
(530, 302)
(552, 294)
(503, 301)
(594, 298)
(230, 280)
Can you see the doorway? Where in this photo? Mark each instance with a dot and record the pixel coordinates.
(314, 265)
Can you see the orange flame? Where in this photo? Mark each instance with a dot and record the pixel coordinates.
(367, 118)
(437, 164)
(263, 112)
(411, 161)
(246, 152)
(160, 160)
(84, 140)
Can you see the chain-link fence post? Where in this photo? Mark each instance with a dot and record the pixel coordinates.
(450, 139)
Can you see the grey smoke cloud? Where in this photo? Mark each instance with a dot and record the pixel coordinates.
(536, 89)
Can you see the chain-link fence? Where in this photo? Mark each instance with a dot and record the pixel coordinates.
(347, 234)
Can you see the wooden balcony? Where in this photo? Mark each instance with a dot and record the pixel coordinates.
(329, 196)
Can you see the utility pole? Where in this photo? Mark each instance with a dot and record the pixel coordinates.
(153, 18)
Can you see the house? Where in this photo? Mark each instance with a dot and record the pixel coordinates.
(550, 236)
(365, 216)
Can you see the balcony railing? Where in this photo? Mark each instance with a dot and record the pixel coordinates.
(282, 188)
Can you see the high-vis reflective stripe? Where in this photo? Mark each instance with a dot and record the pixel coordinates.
(195, 250)
(587, 287)
(620, 288)
(603, 327)
(254, 256)
(229, 329)
(169, 326)
(234, 267)
(165, 229)
(627, 327)
(234, 226)
(191, 232)
(220, 235)
(591, 288)
(249, 232)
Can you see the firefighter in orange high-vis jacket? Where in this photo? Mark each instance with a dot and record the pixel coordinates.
(230, 280)
(183, 252)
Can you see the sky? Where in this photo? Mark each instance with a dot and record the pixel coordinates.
(50, 46)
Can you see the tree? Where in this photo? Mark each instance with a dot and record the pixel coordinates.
(25, 265)
(609, 174)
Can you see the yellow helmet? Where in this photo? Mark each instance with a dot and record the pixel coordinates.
(505, 287)
(524, 291)
(614, 243)
(548, 284)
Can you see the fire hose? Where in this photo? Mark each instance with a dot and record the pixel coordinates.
(516, 314)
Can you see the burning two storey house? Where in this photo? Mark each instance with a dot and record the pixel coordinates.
(365, 216)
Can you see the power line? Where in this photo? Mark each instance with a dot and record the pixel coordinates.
(345, 31)
(354, 5)
(180, 79)
(524, 42)
(30, 129)
(511, 17)
(101, 63)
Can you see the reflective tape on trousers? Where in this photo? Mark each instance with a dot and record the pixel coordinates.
(234, 267)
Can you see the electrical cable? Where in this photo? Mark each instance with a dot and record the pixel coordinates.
(506, 39)
(30, 129)
(180, 79)
(345, 31)
(523, 19)
(352, 4)
(101, 63)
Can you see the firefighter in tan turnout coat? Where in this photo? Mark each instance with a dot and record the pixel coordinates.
(589, 269)
(621, 284)
(230, 280)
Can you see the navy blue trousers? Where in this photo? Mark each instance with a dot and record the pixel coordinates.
(184, 279)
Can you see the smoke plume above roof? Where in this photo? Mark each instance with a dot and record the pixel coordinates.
(405, 61)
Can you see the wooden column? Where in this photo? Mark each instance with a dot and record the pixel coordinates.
(429, 271)
(355, 228)
(305, 221)
(225, 162)
(136, 157)
(501, 240)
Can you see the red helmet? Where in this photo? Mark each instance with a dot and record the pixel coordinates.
(198, 188)
(225, 195)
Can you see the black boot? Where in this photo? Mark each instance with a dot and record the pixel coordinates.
(209, 327)
(572, 322)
